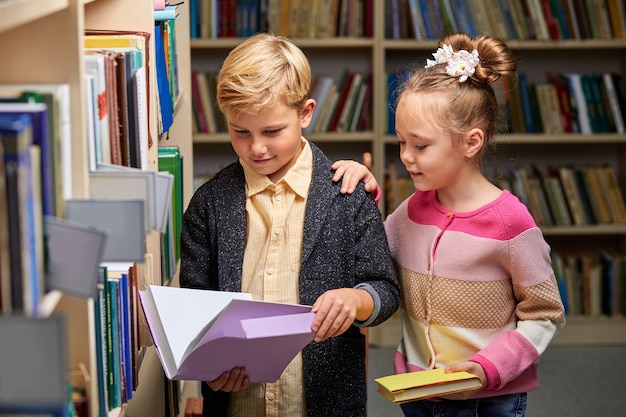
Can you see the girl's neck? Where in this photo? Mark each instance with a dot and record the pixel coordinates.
(469, 195)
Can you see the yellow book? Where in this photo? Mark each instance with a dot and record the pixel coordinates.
(412, 386)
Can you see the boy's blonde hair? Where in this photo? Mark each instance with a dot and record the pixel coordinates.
(261, 72)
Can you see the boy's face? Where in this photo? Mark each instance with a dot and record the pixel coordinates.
(270, 141)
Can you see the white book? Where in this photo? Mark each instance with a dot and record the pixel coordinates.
(576, 87)
(614, 105)
(94, 65)
(320, 94)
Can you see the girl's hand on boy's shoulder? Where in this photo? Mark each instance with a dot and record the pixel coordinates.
(351, 172)
(230, 381)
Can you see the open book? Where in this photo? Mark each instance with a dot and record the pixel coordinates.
(200, 334)
(413, 386)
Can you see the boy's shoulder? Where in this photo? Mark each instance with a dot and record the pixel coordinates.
(228, 177)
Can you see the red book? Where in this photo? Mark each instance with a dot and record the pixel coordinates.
(196, 101)
(342, 101)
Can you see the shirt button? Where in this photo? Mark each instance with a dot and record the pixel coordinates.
(279, 197)
(270, 396)
(269, 271)
(277, 231)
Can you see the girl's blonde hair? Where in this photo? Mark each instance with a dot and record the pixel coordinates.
(260, 72)
(471, 103)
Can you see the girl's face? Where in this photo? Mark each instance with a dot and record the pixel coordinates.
(270, 141)
(430, 155)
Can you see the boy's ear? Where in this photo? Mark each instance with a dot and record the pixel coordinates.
(474, 141)
(307, 113)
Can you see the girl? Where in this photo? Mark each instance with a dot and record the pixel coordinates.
(479, 293)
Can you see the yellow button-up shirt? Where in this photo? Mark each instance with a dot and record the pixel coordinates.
(271, 266)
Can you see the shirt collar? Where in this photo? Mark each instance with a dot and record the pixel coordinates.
(298, 178)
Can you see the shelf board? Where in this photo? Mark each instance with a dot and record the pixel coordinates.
(594, 229)
(307, 43)
(14, 13)
(542, 139)
(526, 45)
(580, 330)
(343, 137)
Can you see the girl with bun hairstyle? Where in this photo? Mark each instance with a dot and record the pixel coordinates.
(479, 292)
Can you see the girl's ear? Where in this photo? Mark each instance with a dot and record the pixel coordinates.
(474, 142)
(307, 113)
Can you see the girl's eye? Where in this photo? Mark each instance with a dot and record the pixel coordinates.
(240, 132)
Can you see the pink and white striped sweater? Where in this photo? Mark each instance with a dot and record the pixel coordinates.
(476, 286)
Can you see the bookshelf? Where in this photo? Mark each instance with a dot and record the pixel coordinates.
(45, 43)
(381, 54)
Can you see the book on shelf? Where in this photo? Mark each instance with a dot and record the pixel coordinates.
(95, 67)
(170, 12)
(412, 386)
(591, 283)
(612, 190)
(55, 143)
(207, 98)
(22, 165)
(138, 44)
(224, 330)
(41, 136)
(617, 104)
(506, 19)
(170, 160)
(320, 94)
(166, 109)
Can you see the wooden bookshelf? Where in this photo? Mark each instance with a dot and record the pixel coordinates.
(45, 43)
(383, 56)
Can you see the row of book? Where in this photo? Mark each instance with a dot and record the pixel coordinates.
(121, 332)
(31, 205)
(210, 19)
(342, 105)
(566, 195)
(506, 19)
(584, 103)
(556, 195)
(592, 284)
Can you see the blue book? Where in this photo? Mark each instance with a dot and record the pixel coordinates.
(114, 351)
(526, 106)
(24, 215)
(427, 13)
(126, 336)
(163, 83)
(42, 138)
(100, 307)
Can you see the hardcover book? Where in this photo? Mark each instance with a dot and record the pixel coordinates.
(412, 386)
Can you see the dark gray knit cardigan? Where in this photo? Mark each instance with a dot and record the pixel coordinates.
(344, 245)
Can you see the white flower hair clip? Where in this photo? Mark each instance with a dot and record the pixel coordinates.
(460, 64)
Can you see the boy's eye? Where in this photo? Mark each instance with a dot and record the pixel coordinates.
(272, 132)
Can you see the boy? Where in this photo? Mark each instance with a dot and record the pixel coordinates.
(274, 224)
